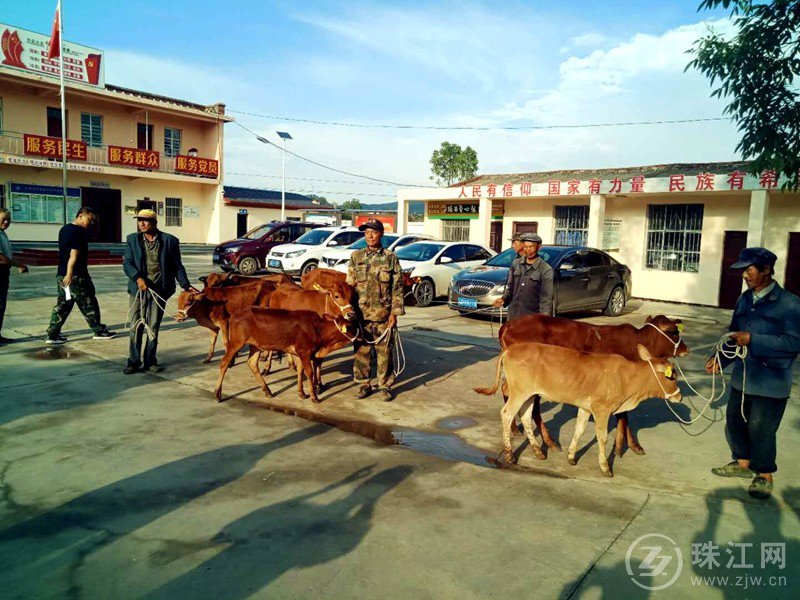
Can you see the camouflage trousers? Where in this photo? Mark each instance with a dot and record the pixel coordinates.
(83, 294)
(383, 350)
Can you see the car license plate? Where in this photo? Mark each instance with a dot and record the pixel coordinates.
(468, 302)
(275, 264)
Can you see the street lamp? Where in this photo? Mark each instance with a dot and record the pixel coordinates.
(284, 136)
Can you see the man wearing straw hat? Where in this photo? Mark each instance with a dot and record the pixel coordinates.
(152, 263)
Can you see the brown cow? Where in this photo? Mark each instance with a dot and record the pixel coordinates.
(302, 333)
(336, 302)
(213, 307)
(598, 384)
(660, 335)
(229, 279)
(325, 278)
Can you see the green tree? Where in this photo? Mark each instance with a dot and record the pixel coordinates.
(354, 204)
(757, 68)
(450, 164)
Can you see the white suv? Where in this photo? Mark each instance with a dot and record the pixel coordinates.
(339, 258)
(306, 252)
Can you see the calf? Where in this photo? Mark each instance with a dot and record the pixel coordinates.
(598, 384)
(324, 278)
(335, 302)
(231, 279)
(302, 333)
(214, 305)
(660, 335)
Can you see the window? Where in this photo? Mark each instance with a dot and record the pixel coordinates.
(572, 225)
(2, 196)
(92, 130)
(172, 141)
(174, 212)
(455, 252)
(54, 121)
(595, 259)
(476, 253)
(455, 230)
(673, 237)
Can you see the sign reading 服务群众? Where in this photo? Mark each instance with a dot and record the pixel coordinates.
(133, 157)
(462, 210)
(27, 51)
(611, 234)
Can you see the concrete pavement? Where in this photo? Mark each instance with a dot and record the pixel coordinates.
(131, 486)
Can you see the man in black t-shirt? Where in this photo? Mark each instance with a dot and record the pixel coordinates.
(73, 277)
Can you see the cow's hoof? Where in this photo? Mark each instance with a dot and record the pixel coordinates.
(572, 460)
(553, 445)
(517, 432)
(315, 400)
(637, 450)
(618, 452)
(508, 458)
(303, 396)
(207, 360)
(607, 472)
(217, 398)
(539, 454)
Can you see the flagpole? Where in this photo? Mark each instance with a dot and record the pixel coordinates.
(63, 109)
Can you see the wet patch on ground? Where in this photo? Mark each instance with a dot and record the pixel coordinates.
(55, 353)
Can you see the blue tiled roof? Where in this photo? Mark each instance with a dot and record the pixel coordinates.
(269, 198)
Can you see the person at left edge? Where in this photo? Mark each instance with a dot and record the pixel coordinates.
(73, 274)
(152, 263)
(6, 262)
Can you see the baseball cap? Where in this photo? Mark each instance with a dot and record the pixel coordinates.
(754, 256)
(531, 237)
(148, 214)
(371, 224)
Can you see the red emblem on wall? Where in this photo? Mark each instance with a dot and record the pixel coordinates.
(12, 49)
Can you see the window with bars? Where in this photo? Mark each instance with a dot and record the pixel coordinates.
(455, 230)
(92, 129)
(673, 237)
(172, 141)
(572, 225)
(174, 211)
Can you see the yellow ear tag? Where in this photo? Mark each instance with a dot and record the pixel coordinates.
(668, 372)
(318, 287)
(680, 327)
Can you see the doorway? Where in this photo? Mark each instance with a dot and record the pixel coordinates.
(496, 236)
(521, 227)
(792, 280)
(144, 136)
(730, 282)
(241, 224)
(54, 121)
(107, 205)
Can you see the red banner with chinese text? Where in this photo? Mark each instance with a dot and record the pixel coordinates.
(133, 157)
(42, 145)
(196, 165)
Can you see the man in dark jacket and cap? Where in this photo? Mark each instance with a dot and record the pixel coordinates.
(529, 287)
(152, 263)
(766, 320)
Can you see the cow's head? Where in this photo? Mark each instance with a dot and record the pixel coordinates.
(214, 279)
(665, 374)
(340, 296)
(672, 329)
(186, 300)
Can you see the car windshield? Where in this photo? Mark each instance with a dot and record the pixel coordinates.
(419, 252)
(258, 232)
(313, 238)
(505, 258)
(386, 241)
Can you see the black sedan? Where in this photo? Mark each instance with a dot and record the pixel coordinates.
(585, 279)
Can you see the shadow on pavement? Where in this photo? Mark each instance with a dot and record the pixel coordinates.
(31, 549)
(294, 534)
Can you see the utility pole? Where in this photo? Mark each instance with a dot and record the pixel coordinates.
(284, 136)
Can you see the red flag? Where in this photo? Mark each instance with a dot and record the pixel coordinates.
(54, 49)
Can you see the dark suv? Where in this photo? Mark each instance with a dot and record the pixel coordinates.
(248, 253)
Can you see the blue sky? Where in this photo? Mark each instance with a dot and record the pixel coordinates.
(437, 63)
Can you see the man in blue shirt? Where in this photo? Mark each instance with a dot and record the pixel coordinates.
(766, 320)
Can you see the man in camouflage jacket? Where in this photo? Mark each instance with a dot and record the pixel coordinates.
(375, 274)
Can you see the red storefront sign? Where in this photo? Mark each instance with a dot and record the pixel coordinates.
(133, 157)
(42, 145)
(389, 221)
(196, 165)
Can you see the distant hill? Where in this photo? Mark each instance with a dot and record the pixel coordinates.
(414, 208)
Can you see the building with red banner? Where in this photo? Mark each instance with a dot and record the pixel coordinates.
(677, 226)
(126, 149)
